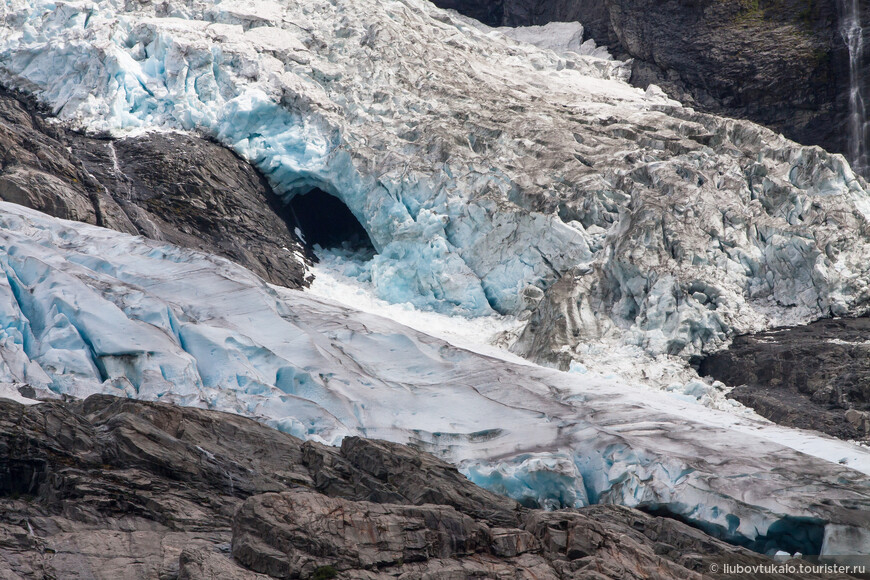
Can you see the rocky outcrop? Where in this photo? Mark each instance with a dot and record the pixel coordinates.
(291, 534)
(377, 471)
(295, 534)
(111, 488)
(779, 63)
(170, 187)
(813, 377)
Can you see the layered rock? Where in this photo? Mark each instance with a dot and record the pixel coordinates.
(169, 187)
(110, 488)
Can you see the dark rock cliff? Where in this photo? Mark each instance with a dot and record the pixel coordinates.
(781, 63)
(110, 488)
(169, 187)
(812, 377)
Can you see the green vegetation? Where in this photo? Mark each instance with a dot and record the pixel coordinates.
(755, 10)
(324, 573)
(750, 10)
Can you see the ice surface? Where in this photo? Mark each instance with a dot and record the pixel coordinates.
(345, 278)
(485, 170)
(479, 164)
(10, 391)
(90, 310)
(268, 81)
(550, 481)
(564, 38)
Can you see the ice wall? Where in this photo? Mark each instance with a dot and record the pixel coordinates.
(259, 78)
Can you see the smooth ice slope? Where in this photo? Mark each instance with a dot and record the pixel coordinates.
(478, 164)
(87, 310)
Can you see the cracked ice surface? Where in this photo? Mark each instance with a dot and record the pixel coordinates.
(84, 310)
(477, 163)
(318, 95)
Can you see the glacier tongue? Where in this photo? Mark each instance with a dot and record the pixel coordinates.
(478, 165)
(89, 310)
(491, 176)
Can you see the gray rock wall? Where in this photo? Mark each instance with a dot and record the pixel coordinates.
(781, 63)
(111, 488)
(170, 187)
(812, 377)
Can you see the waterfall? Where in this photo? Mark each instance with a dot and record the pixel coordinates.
(853, 34)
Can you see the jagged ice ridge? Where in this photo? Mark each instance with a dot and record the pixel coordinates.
(477, 164)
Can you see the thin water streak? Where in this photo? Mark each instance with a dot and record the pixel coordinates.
(853, 34)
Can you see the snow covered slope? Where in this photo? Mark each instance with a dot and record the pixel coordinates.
(479, 165)
(85, 310)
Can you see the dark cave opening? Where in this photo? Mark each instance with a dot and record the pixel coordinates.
(326, 221)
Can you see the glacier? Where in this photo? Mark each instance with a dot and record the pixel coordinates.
(87, 310)
(497, 180)
(494, 167)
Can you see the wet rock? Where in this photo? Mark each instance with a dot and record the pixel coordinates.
(171, 187)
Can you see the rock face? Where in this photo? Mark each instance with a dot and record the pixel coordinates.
(111, 488)
(782, 64)
(814, 377)
(166, 186)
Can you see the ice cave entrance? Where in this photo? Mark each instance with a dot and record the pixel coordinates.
(326, 221)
